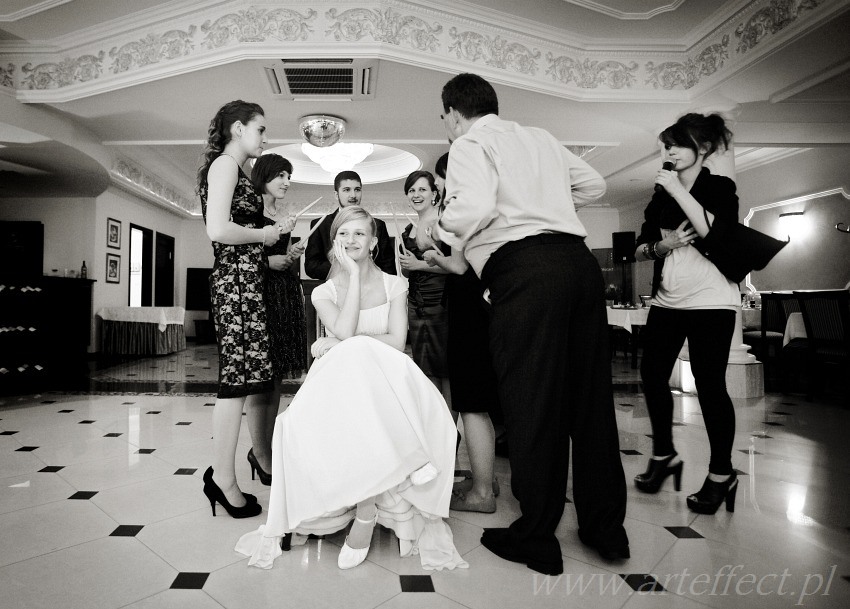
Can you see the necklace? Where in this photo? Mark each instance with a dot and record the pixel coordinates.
(271, 212)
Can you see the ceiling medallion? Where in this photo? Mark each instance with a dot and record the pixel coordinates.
(321, 130)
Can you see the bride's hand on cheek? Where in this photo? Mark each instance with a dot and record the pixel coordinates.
(344, 259)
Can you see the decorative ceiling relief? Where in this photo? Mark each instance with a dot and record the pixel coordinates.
(674, 75)
(127, 175)
(496, 52)
(257, 25)
(590, 74)
(450, 39)
(770, 20)
(384, 26)
(152, 49)
(7, 76)
(67, 72)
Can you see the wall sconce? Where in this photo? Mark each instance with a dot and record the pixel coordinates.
(794, 224)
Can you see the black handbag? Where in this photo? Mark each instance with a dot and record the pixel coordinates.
(736, 250)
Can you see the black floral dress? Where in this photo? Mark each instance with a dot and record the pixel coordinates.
(238, 304)
(285, 312)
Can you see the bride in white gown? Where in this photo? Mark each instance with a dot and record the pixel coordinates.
(367, 437)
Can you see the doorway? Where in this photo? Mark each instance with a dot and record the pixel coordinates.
(163, 292)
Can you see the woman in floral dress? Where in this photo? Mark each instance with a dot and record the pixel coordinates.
(233, 215)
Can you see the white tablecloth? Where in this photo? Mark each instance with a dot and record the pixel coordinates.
(626, 318)
(751, 318)
(794, 328)
(162, 316)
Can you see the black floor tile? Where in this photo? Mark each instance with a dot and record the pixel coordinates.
(112, 434)
(8, 433)
(185, 471)
(684, 532)
(83, 495)
(51, 469)
(630, 451)
(640, 582)
(416, 583)
(747, 451)
(183, 423)
(189, 581)
(66, 411)
(26, 449)
(86, 422)
(145, 451)
(127, 530)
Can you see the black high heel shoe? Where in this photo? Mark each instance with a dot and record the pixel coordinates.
(651, 480)
(712, 494)
(215, 494)
(255, 467)
(208, 478)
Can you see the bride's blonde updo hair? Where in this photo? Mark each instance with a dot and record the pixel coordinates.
(347, 214)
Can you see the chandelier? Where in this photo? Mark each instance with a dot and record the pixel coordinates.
(339, 157)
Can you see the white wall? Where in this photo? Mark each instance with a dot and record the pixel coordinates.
(68, 230)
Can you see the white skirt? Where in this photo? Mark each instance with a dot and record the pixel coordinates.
(364, 420)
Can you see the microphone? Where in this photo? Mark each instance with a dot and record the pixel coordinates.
(668, 165)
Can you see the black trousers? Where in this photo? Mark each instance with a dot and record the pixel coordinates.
(709, 334)
(549, 343)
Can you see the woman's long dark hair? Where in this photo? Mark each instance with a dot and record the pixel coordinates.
(695, 130)
(218, 135)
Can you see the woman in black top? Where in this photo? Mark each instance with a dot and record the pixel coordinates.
(692, 300)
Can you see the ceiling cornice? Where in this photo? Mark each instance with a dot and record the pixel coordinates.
(183, 37)
(31, 10)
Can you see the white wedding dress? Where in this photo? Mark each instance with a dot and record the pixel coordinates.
(364, 420)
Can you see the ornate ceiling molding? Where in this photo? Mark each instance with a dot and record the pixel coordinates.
(404, 31)
(140, 182)
(610, 11)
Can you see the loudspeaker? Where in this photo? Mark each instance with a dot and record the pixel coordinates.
(624, 246)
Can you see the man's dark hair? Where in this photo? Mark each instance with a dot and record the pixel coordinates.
(346, 175)
(470, 95)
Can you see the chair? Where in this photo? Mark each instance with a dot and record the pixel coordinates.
(767, 341)
(826, 315)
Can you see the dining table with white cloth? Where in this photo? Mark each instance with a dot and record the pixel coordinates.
(630, 319)
(794, 328)
(142, 330)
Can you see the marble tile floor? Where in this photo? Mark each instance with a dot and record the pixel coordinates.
(101, 506)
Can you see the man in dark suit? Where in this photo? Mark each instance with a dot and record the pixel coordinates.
(348, 188)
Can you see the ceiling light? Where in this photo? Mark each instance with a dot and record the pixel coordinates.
(339, 157)
(321, 130)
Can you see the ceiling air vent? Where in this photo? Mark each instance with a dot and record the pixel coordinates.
(322, 79)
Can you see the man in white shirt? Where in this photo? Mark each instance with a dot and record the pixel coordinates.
(511, 194)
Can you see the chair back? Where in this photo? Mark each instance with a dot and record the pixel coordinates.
(789, 302)
(773, 315)
(826, 315)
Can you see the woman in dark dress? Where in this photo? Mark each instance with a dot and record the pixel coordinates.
(286, 321)
(233, 213)
(428, 328)
(471, 375)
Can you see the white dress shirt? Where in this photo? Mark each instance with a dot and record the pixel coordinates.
(506, 182)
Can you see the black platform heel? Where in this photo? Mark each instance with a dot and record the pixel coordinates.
(215, 494)
(712, 494)
(255, 467)
(651, 480)
(208, 478)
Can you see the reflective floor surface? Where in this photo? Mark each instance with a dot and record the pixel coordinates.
(101, 506)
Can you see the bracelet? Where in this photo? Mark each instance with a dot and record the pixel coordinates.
(646, 252)
(657, 255)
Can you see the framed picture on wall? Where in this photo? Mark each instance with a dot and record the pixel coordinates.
(113, 233)
(113, 268)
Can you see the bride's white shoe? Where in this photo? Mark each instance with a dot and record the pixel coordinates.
(351, 557)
